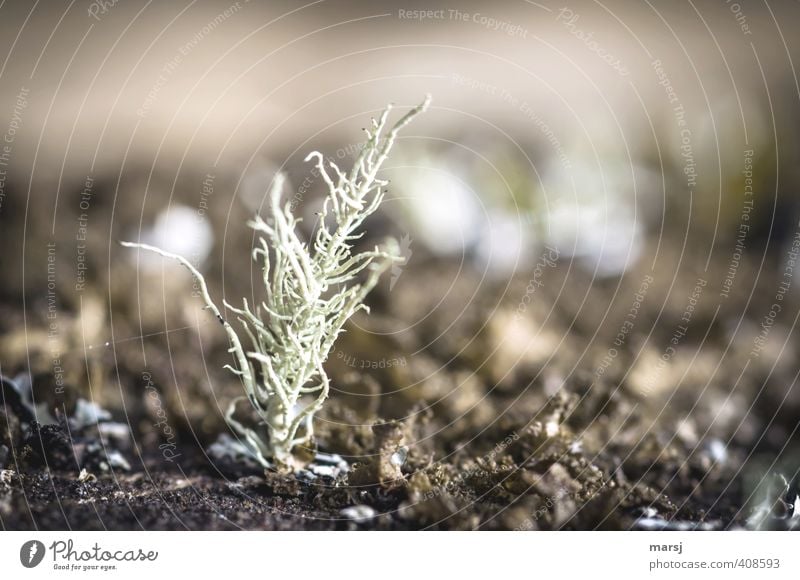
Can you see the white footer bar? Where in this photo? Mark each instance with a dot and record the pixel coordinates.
(390, 555)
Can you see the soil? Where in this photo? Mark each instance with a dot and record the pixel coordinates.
(498, 405)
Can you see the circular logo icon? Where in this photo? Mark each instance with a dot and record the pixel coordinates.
(31, 553)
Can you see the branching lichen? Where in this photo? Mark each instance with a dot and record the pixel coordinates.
(310, 292)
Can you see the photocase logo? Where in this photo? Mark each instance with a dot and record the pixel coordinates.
(31, 553)
(405, 254)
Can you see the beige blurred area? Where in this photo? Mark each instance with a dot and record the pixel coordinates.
(206, 84)
(616, 131)
(561, 124)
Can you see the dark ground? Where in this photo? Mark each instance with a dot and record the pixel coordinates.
(471, 418)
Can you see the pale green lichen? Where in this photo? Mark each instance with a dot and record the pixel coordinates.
(310, 292)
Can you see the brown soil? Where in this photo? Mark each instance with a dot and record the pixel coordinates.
(469, 419)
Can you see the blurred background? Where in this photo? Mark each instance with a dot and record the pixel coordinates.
(599, 193)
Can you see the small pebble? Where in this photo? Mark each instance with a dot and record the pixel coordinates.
(324, 470)
(86, 477)
(6, 475)
(358, 513)
(648, 512)
(718, 451)
(398, 458)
